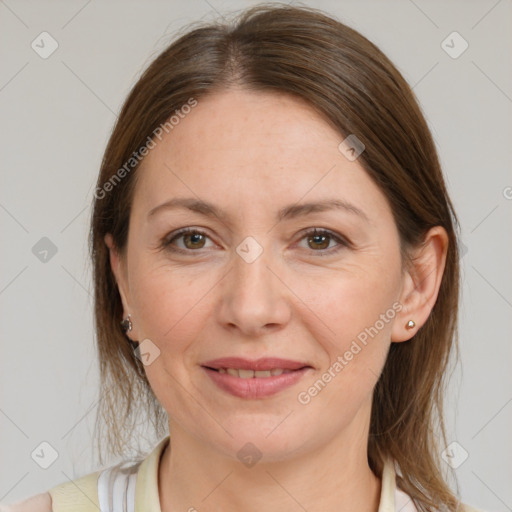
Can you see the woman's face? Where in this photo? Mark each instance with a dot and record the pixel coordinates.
(255, 282)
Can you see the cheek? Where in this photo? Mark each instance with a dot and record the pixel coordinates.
(167, 299)
(349, 306)
(172, 314)
(352, 323)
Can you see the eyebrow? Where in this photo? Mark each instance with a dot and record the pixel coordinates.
(288, 212)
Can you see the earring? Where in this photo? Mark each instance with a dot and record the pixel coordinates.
(126, 324)
(410, 324)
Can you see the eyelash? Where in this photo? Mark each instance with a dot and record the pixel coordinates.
(343, 243)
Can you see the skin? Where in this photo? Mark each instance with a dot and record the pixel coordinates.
(252, 153)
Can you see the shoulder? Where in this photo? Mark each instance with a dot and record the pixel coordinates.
(404, 503)
(37, 503)
(85, 494)
(78, 495)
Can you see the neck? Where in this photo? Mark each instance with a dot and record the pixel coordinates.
(337, 478)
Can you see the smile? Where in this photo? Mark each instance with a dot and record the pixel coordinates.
(254, 379)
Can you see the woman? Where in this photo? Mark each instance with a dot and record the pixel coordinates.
(276, 277)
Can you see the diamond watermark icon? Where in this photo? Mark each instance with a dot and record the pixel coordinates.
(249, 455)
(44, 45)
(44, 455)
(249, 250)
(44, 250)
(454, 455)
(351, 147)
(147, 352)
(454, 45)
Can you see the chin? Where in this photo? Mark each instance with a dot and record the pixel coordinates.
(267, 438)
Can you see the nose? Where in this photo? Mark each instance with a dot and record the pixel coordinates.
(254, 298)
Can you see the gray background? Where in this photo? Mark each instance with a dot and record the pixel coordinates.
(56, 116)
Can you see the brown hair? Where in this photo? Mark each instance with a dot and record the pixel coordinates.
(354, 86)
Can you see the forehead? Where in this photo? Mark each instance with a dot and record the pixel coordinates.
(241, 146)
(245, 123)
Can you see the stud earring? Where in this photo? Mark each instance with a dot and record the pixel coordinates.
(410, 324)
(126, 324)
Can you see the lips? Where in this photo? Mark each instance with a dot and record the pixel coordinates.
(254, 379)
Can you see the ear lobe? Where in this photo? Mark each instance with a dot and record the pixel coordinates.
(421, 283)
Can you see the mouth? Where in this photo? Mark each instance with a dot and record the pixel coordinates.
(255, 379)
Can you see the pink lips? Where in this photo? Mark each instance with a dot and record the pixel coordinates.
(257, 386)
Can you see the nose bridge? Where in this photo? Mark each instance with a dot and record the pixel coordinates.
(253, 295)
(251, 275)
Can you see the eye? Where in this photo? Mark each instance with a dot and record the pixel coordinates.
(320, 240)
(192, 239)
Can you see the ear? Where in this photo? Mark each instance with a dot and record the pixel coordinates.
(421, 283)
(118, 266)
